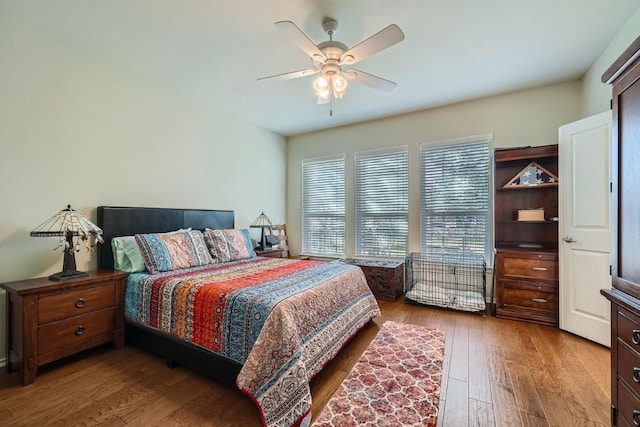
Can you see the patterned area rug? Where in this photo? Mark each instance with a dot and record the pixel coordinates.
(396, 382)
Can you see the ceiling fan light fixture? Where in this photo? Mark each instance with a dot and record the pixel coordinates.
(339, 84)
(334, 83)
(321, 86)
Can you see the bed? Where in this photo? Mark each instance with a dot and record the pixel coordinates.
(267, 325)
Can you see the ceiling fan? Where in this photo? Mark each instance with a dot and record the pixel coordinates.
(333, 59)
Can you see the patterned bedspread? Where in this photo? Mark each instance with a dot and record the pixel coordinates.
(282, 319)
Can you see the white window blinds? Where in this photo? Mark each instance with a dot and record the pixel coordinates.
(323, 206)
(455, 197)
(382, 203)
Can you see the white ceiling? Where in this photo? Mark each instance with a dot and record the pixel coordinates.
(453, 51)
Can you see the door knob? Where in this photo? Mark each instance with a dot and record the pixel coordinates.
(569, 239)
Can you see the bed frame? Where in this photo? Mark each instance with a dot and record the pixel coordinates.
(127, 221)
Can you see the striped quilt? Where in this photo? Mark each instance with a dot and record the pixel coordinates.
(282, 319)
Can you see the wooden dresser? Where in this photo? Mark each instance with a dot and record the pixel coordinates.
(624, 74)
(49, 320)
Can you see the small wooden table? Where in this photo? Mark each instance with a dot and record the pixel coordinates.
(385, 278)
(50, 320)
(271, 253)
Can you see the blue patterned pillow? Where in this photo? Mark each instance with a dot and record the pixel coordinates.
(173, 251)
(229, 245)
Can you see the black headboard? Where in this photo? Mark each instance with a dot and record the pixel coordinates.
(126, 221)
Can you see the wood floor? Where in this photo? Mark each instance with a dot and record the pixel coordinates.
(496, 372)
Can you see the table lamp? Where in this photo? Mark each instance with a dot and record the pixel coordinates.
(262, 222)
(66, 224)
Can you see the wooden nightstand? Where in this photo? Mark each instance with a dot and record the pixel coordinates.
(271, 253)
(50, 320)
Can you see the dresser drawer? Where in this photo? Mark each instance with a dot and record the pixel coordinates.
(57, 335)
(629, 329)
(529, 268)
(73, 303)
(527, 298)
(628, 405)
(629, 367)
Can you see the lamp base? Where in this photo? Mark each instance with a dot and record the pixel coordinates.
(66, 275)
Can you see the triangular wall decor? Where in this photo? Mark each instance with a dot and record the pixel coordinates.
(533, 175)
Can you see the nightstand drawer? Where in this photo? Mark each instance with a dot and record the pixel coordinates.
(529, 268)
(74, 303)
(58, 335)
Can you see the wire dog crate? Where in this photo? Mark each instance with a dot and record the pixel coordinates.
(457, 282)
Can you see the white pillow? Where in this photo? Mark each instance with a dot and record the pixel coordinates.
(127, 255)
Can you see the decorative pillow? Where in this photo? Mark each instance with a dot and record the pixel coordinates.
(229, 245)
(173, 251)
(127, 255)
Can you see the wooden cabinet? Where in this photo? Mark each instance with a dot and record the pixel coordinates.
(624, 74)
(527, 285)
(526, 234)
(50, 320)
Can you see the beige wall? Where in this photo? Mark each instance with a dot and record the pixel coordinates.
(76, 129)
(529, 117)
(597, 95)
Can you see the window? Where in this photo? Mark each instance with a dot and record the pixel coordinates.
(323, 206)
(455, 196)
(382, 203)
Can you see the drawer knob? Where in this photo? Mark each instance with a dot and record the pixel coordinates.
(538, 300)
(636, 417)
(635, 336)
(636, 374)
(539, 268)
(79, 330)
(80, 302)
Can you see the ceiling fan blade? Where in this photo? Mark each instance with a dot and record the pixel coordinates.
(369, 80)
(300, 39)
(381, 40)
(292, 74)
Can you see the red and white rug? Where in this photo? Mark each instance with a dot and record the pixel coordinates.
(396, 382)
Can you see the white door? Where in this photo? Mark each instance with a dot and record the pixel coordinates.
(585, 226)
